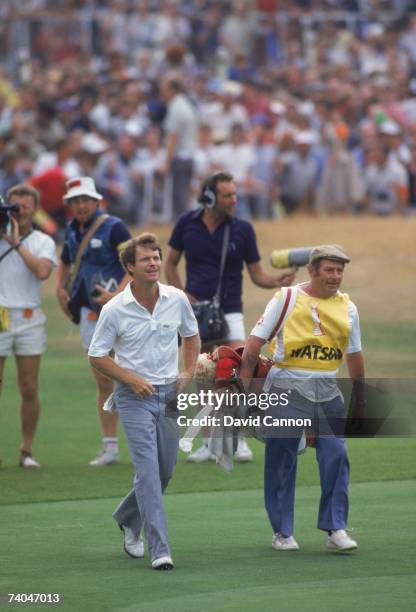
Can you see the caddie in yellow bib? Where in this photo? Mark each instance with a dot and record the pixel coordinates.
(311, 328)
(315, 334)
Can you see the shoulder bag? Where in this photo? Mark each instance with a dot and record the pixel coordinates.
(213, 327)
(73, 305)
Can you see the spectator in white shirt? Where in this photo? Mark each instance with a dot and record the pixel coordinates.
(27, 258)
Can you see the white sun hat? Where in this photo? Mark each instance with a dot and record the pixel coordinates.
(82, 185)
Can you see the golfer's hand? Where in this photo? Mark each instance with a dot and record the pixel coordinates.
(63, 299)
(140, 386)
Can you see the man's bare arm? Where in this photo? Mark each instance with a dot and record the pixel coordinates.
(263, 279)
(171, 268)
(62, 276)
(249, 359)
(355, 364)
(41, 267)
(191, 347)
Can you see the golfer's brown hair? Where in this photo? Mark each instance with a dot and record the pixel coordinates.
(128, 249)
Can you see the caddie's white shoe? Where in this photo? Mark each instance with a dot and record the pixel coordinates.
(201, 455)
(163, 563)
(243, 454)
(340, 540)
(27, 461)
(279, 542)
(107, 456)
(133, 545)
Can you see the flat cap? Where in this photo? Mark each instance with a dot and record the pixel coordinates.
(334, 252)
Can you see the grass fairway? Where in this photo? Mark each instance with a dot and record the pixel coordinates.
(56, 531)
(72, 548)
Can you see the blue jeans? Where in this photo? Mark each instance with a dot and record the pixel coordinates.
(281, 465)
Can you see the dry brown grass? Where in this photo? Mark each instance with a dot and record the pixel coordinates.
(380, 279)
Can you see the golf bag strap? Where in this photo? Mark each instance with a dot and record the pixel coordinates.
(288, 296)
(83, 245)
(224, 250)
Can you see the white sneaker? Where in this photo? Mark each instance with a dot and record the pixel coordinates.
(27, 461)
(133, 545)
(201, 455)
(279, 542)
(106, 456)
(243, 452)
(163, 563)
(340, 540)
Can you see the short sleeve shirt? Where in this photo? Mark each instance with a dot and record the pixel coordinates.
(19, 287)
(144, 342)
(202, 251)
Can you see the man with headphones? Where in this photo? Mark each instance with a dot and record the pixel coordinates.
(198, 234)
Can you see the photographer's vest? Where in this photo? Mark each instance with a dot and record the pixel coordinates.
(100, 258)
(315, 334)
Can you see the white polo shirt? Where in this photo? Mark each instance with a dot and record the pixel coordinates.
(144, 342)
(19, 287)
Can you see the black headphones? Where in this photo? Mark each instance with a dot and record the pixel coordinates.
(208, 196)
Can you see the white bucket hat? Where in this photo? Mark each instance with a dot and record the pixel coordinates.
(83, 185)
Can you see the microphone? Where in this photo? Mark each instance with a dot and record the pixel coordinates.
(288, 258)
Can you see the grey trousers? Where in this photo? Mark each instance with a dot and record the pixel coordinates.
(153, 440)
(181, 171)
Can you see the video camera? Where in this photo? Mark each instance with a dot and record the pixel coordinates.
(6, 211)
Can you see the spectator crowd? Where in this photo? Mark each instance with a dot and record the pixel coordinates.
(310, 104)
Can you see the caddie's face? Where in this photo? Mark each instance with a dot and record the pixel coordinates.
(146, 269)
(83, 208)
(226, 197)
(327, 279)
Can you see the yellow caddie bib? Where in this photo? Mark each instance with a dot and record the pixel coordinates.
(315, 334)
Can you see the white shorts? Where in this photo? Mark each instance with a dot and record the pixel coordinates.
(26, 335)
(87, 324)
(236, 329)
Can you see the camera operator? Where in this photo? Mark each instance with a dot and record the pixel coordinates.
(27, 257)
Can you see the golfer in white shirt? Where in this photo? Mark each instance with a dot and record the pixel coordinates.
(141, 325)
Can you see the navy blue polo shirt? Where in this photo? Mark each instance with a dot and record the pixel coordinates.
(202, 252)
